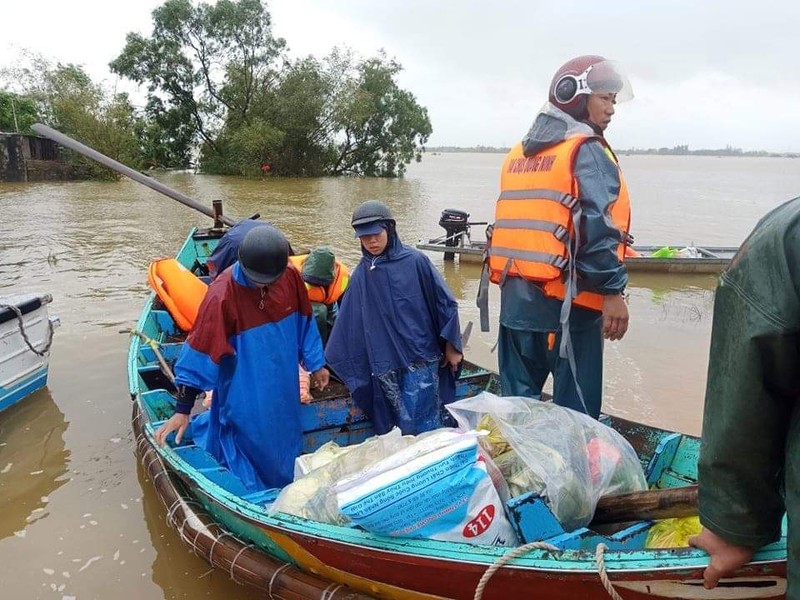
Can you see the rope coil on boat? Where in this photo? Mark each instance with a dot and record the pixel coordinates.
(330, 592)
(209, 540)
(21, 324)
(272, 579)
(600, 561)
(235, 558)
(217, 538)
(506, 558)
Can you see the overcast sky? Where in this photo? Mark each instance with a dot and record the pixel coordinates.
(707, 73)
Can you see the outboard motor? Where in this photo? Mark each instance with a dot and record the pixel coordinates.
(455, 223)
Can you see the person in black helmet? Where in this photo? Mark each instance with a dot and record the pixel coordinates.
(559, 239)
(253, 326)
(397, 342)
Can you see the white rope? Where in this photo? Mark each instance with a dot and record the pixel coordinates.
(214, 543)
(235, 558)
(504, 559)
(272, 579)
(329, 593)
(171, 511)
(599, 558)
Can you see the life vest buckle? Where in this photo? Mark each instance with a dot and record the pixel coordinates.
(569, 201)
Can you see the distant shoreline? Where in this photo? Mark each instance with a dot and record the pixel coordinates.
(676, 151)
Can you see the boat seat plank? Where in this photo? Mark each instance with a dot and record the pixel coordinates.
(169, 351)
(670, 479)
(165, 323)
(196, 457)
(347, 435)
(632, 537)
(225, 479)
(662, 458)
(534, 521)
(330, 412)
(206, 465)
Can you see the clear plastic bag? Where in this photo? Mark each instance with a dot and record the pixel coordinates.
(567, 457)
(313, 496)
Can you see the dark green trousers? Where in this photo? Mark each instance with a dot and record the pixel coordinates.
(526, 359)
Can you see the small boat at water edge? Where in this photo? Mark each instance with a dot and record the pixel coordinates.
(26, 333)
(677, 259)
(232, 528)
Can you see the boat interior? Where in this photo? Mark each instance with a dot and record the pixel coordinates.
(669, 459)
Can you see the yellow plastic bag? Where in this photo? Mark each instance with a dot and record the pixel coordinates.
(673, 533)
(494, 443)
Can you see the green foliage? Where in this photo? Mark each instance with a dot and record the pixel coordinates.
(205, 64)
(17, 113)
(67, 99)
(165, 135)
(300, 107)
(382, 127)
(219, 76)
(217, 80)
(241, 151)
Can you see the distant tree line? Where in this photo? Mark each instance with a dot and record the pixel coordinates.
(223, 94)
(478, 149)
(683, 150)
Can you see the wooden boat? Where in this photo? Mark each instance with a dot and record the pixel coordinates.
(26, 332)
(233, 530)
(296, 558)
(708, 259)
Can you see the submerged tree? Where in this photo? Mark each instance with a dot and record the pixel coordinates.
(380, 127)
(204, 64)
(217, 76)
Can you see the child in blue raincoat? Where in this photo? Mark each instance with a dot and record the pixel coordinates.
(397, 342)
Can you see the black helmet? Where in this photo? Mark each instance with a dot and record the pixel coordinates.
(264, 254)
(367, 216)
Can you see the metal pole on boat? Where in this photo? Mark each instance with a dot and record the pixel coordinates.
(112, 164)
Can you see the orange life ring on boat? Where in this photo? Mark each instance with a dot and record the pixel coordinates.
(178, 288)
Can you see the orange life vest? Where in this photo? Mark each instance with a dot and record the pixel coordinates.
(178, 288)
(534, 218)
(320, 293)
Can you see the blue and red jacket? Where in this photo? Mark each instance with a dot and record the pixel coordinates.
(246, 345)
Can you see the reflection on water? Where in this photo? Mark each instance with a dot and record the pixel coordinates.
(88, 244)
(175, 570)
(33, 461)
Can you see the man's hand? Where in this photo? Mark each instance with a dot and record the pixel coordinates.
(320, 378)
(452, 357)
(176, 422)
(615, 317)
(725, 557)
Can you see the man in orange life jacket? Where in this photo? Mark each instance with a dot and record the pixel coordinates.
(558, 241)
(326, 280)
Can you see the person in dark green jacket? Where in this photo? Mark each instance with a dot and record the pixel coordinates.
(749, 469)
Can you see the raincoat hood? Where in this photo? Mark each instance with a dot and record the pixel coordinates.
(320, 266)
(552, 126)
